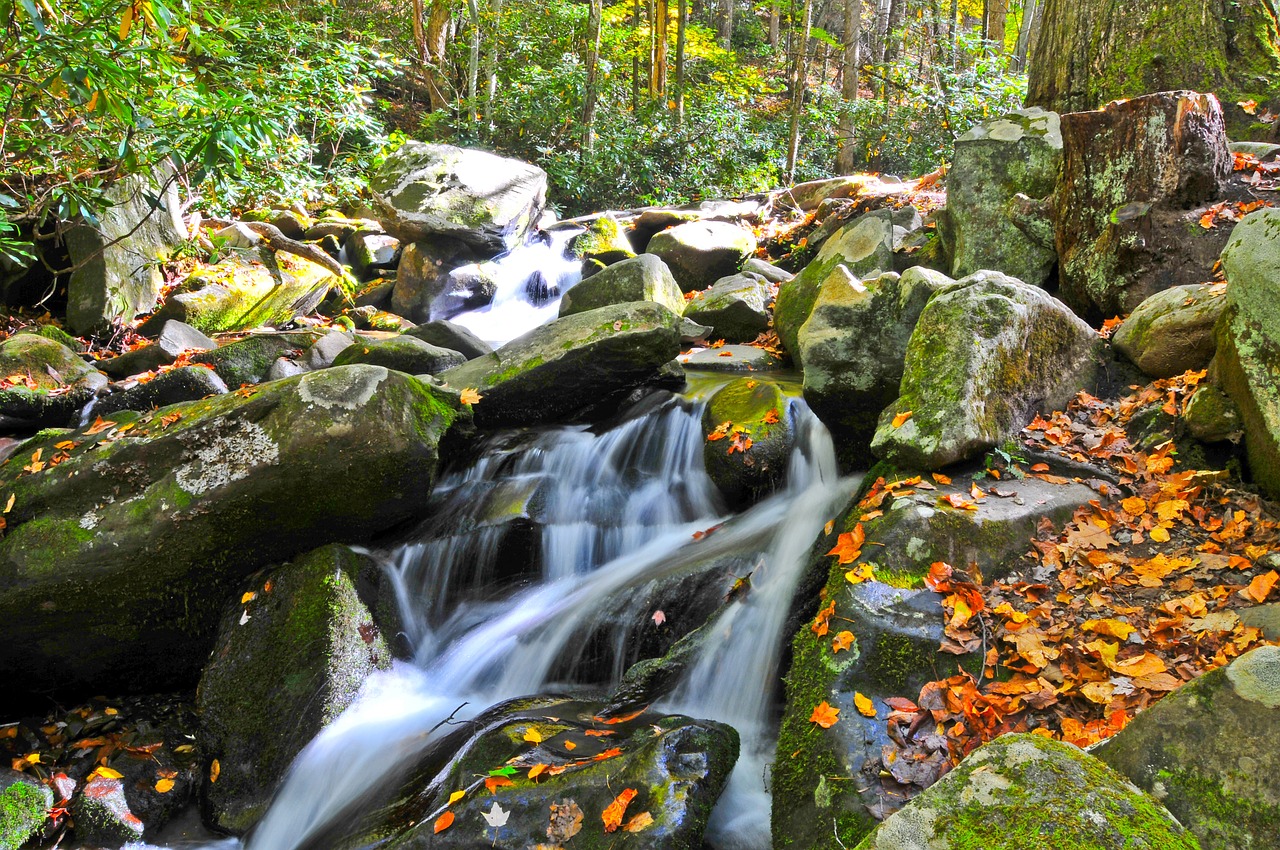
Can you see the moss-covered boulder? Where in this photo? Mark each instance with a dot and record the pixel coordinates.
(402, 353)
(372, 251)
(569, 364)
(102, 814)
(983, 359)
(1131, 172)
(603, 240)
(23, 804)
(1024, 791)
(478, 197)
(186, 383)
(1248, 335)
(1019, 153)
(735, 307)
(293, 648)
(667, 770)
(853, 347)
(701, 252)
(1208, 753)
(126, 545)
(750, 431)
(423, 284)
(1172, 331)
(248, 360)
(42, 382)
(251, 288)
(642, 278)
(1211, 416)
(445, 334)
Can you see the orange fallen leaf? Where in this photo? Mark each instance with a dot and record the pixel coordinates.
(537, 770)
(849, 545)
(639, 822)
(215, 770)
(864, 705)
(825, 715)
(771, 418)
(901, 418)
(842, 641)
(469, 395)
(612, 815)
(443, 822)
(940, 478)
(493, 783)
(1260, 587)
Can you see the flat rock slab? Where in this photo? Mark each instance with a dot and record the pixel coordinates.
(731, 358)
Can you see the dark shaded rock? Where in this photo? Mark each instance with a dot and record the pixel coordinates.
(426, 282)
(248, 360)
(102, 814)
(46, 383)
(1211, 416)
(370, 252)
(323, 351)
(446, 334)
(175, 338)
(402, 353)
(187, 383)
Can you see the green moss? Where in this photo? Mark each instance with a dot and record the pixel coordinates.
(1217, 817)
(515, 369)
(896, 660)
(22, 809)
(47, 541)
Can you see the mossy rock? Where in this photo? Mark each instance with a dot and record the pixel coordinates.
(53, 382)
(569, 364)
(1172, 331)
(402, 353)
(642, 278)
(984, 358)
(756, 413)
(1207, 752)
(736, 307)
(1211, 416)
(287, 662)
(248, 360)
(603, 240)
(1023, 791)
(701, 252)
(23, 804)
(122, 546)
(56, 334)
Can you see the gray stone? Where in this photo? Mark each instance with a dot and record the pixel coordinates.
(370, 252)
(454, 337)
(186, 383)
(102, 814)
(248, 360)
(1263, 151)
(701, 252)
(122, 548)
(731, 358)
(1207, 752)
(423, 278)
(485, 200)
(175, 338)
(642, 278)
(692, 333)
(896, 224)
(118, 274)
(736, 307)
(1172, 331)
(1017, 154)
(853, 347)
(570, 363)
(984, 358)
(403, 353)
(378, 293)
(767, 270)
(285, 367)
(322, 352)
(285, 665)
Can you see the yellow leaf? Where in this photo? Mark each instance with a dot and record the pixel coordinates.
(901, 418)
(639, 822)
(859, 574)
(469, 396)
(864, 705)
(456, 796)
(842, 641)
(248, 597)
(214, 770)
(1134, 506)
(533, 736)
(1160, 534)
(126, 22)
(9, 504)
(1114, 628)
(104, 772)
(164, 786)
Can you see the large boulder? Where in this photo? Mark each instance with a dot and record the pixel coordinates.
(122, 545)
(1001, 169)
(1029, 791)
(642, 278)
(853, 347)
(175, 338)
(292, 651)
(750, 432)
(186, 383)
(250, 288)
(42, 382)
(1130, 173)
(984, 358)
(423, 283)
(1248, 336)
(1208, 752)
(486, 200)
(1172, 331)
(446, 334)
(569, 364)
(701, 252)
(735, 307)
(117, 260)
(402, 353)
(249, 360)
(603, 240)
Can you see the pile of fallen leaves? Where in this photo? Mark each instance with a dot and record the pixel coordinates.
(1138, 594)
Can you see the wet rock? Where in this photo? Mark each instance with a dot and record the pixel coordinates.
(446, 334)
(45, 383)
(853, 347)
(1248, 362)
(371, 252)
(402, 353)
(118, 259)
(1207, 752)
(731, 358)
(248, 360)
(488, 201)
(23, 803)
(750, 431)
(692, 333)
(1172, 331)
(569, 364)
(1018, 154)
(286, 663)
(642, 278)
(285, 368)
(1211, 416)
(1029, 791)
(737, 307)
(1130, 171)
(1262, 151)
(175, 338)
(701, 252)
(249, 289)
(983, 359)
(122, 548)
(438, 276)
(603, 240)
(187, 383)
(102, 814)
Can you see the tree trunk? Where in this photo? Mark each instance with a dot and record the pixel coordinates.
(847, 153)
(995, 18)
(798, 75)
(435, 46)
(893, 23)
(1026, 32)
(726, 25)
(682, 12)
(653, 47)
(661, 14)
(953, 32)
(491, 62)
(775, 23)
(879, 30)
(593, 67)
(419, 34)
(1089, 52)
(473, 60)
(635, 57)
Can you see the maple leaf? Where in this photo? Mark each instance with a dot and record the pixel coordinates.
(639, 822)
(1260, 587)
(901, 418)
(939, 478)
(566, 821)
(864, 705)
(443, 822)
(1134, 506)
(842, 641)
(859, 574)
(469, 395)
(740, 442)
(821, 623)
(215, 770)
(825, 715)
(496, 816)
(721, 431)
(771, 418)
(939, 576)
(537, 770)
(1113, 628)
(848, 546)
(613, 813)
(493, 783)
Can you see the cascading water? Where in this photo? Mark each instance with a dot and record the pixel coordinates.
(615, 511)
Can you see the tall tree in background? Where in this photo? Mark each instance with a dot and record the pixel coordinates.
(1027, 31)
(799, 76)
(682, 21)
(658, 79)
(593, 74)
(726, 25)
(1091, 51)
(995, 18)
(846, 157)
